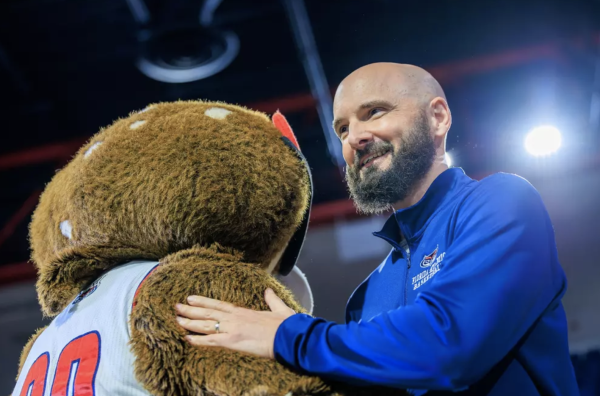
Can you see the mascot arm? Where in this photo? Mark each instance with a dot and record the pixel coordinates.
(167, 365)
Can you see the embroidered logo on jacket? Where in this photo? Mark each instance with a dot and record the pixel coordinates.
(428, 260)
(432, 263)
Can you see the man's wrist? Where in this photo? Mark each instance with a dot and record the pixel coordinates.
(289, 337)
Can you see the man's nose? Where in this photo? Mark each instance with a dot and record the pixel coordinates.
(359, 137)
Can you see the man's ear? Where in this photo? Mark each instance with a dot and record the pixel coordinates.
(442, 117)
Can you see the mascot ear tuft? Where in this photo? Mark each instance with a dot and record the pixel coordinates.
(284, 127)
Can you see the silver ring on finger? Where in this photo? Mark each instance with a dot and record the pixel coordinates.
(218, 327)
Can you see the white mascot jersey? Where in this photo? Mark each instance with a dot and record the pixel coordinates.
(85, 350)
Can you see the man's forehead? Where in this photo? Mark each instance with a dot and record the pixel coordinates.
(350, 98)
(364, 84)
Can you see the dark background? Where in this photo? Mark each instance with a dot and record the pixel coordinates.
(68, 68)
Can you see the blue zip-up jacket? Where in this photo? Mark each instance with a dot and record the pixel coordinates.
(473, 265)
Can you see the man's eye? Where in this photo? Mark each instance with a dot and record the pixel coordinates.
(343, 130)
(375, 110)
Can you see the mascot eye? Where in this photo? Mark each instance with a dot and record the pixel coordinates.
(146, 109)
(91, 149)
(217, 113)
(137, 124)
(66, 229)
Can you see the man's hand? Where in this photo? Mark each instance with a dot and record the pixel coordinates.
(228, 326)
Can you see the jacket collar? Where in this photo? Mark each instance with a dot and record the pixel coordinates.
(411, 221)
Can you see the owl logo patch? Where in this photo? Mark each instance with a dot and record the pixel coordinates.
(428, 260)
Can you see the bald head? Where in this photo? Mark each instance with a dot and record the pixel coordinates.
(406, 87)
(395, 78)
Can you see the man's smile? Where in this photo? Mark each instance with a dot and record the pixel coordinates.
(374, 158)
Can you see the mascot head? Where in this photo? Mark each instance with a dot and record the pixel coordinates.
(171, 177)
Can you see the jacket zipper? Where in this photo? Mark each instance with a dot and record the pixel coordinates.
(406, 248)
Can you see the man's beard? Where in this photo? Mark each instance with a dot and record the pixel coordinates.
(378, 190)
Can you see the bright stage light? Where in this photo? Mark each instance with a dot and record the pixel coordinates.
(448, 160)
(543, 140)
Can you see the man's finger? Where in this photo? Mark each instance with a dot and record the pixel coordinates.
(199, 326)
(207, 340)
(198, 313)
(276, 304)
(199, 301)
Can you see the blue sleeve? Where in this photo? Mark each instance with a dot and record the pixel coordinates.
(498, 276)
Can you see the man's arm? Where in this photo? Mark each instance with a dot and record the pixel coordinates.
(498, 276)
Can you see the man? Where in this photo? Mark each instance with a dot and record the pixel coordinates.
(470, 295)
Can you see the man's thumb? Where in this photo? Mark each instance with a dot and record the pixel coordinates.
(275, 303)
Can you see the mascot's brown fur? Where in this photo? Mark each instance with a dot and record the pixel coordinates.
(215, 199)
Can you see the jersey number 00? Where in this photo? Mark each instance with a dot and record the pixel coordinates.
(75, 371)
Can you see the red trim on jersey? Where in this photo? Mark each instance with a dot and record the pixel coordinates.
(140, 285)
